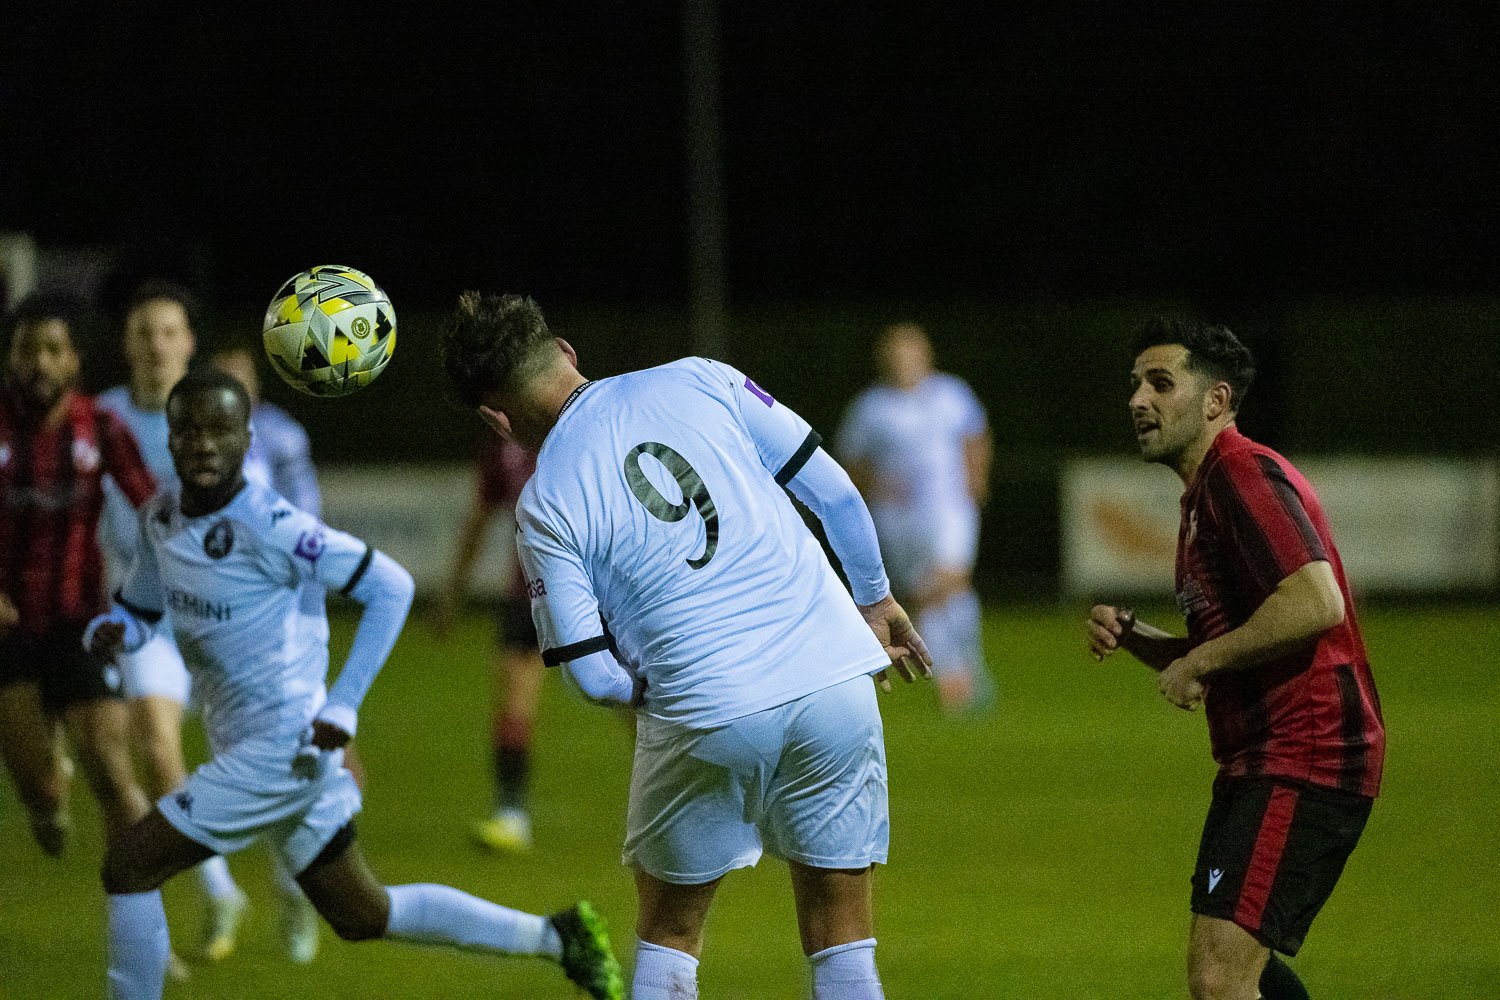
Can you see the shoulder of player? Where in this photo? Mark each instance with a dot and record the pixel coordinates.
(115, 399)
(270, 516)
(159, 509)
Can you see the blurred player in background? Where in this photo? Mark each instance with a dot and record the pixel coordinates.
(668, 570)
(918, 447)
(231, 560)
(503, 468)
(1273, 652)
(159, 343)
(55, 446)
(280, 453)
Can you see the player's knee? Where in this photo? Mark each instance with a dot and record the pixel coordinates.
(671, 930)
(1211, 979)
(358, 920)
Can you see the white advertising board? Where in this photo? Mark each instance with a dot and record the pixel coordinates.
(1401, 524)
(412, 513)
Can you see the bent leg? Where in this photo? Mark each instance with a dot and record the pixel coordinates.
(99, 730)
(140, 859)
(1224, 960)
(30, 750)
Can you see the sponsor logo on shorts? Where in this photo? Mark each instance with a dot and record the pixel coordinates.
(219, 540)
(1214, 874)
(184, 800)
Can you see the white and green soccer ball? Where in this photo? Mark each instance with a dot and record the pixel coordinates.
(330, 330)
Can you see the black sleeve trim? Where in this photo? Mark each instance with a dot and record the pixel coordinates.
(151, 617)
(359, 571)
(574, 650)
(796, 462)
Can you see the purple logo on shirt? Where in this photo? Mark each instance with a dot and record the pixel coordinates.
(759, 393)
(310, 545)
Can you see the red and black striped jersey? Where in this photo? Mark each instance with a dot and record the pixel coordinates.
(50, 500)
(1249, 521)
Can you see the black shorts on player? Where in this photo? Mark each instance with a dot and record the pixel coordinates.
(1271, 853)
(513, 626)
(56, 662)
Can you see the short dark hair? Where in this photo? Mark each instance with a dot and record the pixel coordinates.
(492, 344)
(202, 380)
(1212, 351)
(41, 306)
(160, 288)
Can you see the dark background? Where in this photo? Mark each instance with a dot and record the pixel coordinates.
(1028, 182)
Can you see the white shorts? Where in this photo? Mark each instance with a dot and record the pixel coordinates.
(805, 781)
(156, 669)
(262, 788)
(916, 543)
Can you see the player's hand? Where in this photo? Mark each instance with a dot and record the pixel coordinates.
(107, 640)
(893, 627)
(1180, 685)
(1106, 625)
(9, 616)
(327, 736)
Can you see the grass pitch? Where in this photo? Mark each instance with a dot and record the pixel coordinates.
(1042, 851)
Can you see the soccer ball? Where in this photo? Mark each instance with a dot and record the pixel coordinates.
(330, 330)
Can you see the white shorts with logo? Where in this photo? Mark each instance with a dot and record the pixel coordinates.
(265, 789)
(805, 781)
(156, 669)
(915, 543)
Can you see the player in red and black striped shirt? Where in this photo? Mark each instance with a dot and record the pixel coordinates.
(503, 467)
(55, 446)
(1274, 654)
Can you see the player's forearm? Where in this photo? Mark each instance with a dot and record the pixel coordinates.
(601, 678)
(386, 591)
(829, 493)
(1153, 646)
(1301, 608)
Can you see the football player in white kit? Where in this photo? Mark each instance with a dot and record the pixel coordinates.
(231, 560)
(668, 570)
(159, 343)
(918, 446)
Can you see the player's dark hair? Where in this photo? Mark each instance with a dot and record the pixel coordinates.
(492, 344)
(204, 380)
(1212, 351)
(170, 291)
(40, 307)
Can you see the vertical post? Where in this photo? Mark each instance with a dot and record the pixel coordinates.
(707, 285)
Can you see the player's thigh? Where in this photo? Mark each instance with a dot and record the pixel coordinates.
(28, 741)
(148, 853)
(834, 906)
(343, 889)
(672, 914)
(99, 731)
(695, 801)
(827, 803)
(156, 724)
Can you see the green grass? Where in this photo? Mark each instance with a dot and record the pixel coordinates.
(1041, 852)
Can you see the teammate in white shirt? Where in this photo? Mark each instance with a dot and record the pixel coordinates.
(159, 343)
(918, 447)
(231, 561)
(668, 570)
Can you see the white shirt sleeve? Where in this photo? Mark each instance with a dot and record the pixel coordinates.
(140, 592)
(782, 439)
(300, 549)
(825, 487)
(565, 609)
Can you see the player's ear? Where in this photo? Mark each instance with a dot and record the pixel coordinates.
(498, 422)
(1217, 402)
(568, 351)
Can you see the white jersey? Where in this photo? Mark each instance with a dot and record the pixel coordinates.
(233, 582)
(118, 524)
(914, 443)
(657, 512)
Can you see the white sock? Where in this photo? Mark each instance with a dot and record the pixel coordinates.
(663, 973)
(217, 882)
(286, 882)
(440, 914)
(846, 972)
(138, 946)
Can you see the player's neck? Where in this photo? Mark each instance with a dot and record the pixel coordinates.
(553, 398)
(1191, 459)
(199, 503)
(151, 398)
